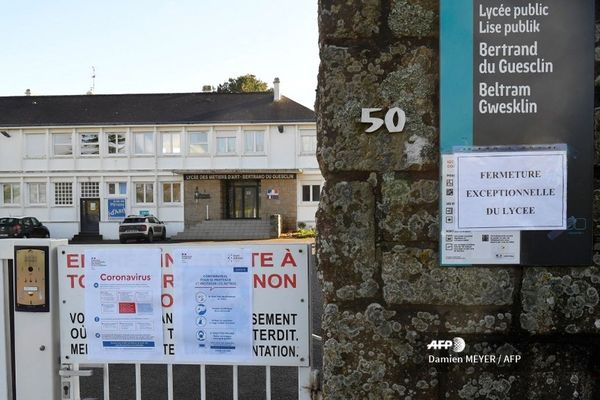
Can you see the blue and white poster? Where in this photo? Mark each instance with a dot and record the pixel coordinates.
(116, 208)
(213, 305)
(123, 304)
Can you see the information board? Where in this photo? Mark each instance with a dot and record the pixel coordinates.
(122, 303)
(213, 305)
(520, 74)
(280, 316)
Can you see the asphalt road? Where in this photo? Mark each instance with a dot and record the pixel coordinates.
(219, 379)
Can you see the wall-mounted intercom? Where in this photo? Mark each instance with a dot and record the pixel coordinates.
(31, 279)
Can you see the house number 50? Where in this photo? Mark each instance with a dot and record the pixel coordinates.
(394, 120)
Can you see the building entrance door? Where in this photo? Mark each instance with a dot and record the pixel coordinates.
(90, 215)
(242, 199)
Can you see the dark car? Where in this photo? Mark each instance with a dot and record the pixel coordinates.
(145, 227)
(22, 227)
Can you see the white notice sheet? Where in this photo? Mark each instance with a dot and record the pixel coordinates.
(213, 305)
(519, 190)
(122, 304)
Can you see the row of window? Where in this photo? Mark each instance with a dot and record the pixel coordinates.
(143, 143)
(63, 192)
(144, 192)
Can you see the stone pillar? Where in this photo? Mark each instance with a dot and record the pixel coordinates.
(386, 297)
(275, 223)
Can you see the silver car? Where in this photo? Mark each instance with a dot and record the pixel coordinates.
(138, 227)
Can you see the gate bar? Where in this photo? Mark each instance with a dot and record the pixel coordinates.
(170, 381)
(235, 382)
(138, 381)
(203, 382)
(268, 382)
(106, 381)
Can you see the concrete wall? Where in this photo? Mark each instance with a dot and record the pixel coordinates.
(386, 297)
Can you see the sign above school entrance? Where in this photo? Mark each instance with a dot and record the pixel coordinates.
(516, 77)
(212, 177)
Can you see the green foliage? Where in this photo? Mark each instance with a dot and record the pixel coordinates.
(243, 84)
(305, 233)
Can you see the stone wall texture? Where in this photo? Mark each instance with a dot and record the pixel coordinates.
(386, 297)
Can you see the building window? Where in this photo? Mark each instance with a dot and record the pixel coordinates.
(35, 145)
(198, 142)
(226, 144)
(171, 192)
(37, 193)
(63, 193)
(62, 144)
(171, 142)
(89, 144)
(117, 188)
(144, 193)
(116, 143)
(90, 190)
(254, 141)
(311, 192)
(308, 144)
(143, 143)
(12, 193)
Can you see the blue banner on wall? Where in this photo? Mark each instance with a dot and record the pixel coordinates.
(116, 208)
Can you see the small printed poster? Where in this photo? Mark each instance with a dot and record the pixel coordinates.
(122, 304)
(213, 305)
(471, 247)
(519, 190)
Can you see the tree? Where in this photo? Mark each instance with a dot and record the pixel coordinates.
(243, 83)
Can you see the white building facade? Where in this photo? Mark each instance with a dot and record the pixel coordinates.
(81, 163)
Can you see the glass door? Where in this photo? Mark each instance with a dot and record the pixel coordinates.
(243, 199)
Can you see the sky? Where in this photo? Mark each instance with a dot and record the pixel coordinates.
(156, 46)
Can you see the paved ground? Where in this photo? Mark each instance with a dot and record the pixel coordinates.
(219, 378)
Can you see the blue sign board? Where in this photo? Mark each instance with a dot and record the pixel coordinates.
(116, 208)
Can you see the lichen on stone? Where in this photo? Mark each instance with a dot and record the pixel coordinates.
(559, 299)
(413, 276)
(413, 18)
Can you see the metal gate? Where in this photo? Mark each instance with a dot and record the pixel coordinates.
(42, 337)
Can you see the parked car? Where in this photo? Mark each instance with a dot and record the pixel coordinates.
(141, 227)
(22, 227)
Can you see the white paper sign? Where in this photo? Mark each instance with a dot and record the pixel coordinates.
(523, 190)
(122, 304)
(213, 305)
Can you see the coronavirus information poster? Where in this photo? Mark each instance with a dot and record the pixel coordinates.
(122, 304)
(213, 305)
